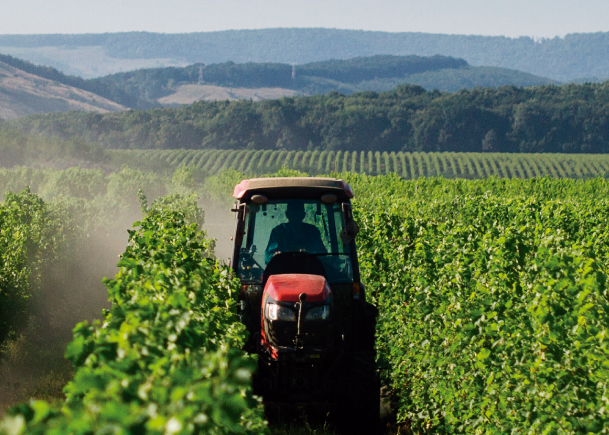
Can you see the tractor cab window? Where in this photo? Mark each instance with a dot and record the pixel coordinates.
(308, 227)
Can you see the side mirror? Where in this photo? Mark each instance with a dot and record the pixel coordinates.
(240, 210)
(351, 228)
(349, 232)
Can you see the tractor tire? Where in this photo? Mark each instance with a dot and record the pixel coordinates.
(359, 404)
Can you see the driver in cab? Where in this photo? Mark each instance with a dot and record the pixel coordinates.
(294, 235)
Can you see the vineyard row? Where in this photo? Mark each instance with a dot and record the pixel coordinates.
(407, 165)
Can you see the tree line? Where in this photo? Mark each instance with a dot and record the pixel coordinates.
(154, 83)
(569, 119)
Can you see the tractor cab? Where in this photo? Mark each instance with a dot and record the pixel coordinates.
(302, 300)
(319, 227)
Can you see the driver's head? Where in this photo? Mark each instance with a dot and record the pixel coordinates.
(295, 212)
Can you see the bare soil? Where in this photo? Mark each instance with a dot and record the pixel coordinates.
(188, 94)
(22, 94)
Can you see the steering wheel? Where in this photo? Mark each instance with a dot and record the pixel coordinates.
(248, 257)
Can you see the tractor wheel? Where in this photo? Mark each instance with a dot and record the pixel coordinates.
(359, 404)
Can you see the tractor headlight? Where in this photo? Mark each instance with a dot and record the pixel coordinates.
(277, 312)
(318, 313)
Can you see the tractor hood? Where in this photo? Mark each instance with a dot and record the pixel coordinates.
(288, 287)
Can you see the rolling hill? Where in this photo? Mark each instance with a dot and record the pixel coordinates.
(173, 86)
(581, 56)
(257, 81)
(22, 93)
(110, 91)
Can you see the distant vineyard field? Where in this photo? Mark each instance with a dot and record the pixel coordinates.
(407, 165)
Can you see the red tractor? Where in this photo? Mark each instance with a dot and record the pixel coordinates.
(302, 299)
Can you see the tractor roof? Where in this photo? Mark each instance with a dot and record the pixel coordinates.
(297, 187)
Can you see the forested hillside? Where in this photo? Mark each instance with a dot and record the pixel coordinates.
(157, 82)
(569, 119)
(147, 88)
(575, 56)
(374, 73)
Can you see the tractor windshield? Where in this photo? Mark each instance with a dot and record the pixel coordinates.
(295, 225)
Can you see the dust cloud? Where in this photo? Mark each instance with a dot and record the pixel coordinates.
(70, 292)
(219, 224)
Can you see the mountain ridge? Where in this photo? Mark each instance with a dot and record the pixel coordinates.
(571, 57)
(375, 73)
(171, 86)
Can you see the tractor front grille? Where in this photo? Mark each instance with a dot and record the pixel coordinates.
(282, 334)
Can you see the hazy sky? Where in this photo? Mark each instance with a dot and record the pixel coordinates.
(542, 18)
